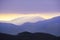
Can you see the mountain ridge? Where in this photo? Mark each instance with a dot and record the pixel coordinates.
(51, 26)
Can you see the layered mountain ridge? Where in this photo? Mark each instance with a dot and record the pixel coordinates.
(51, 26)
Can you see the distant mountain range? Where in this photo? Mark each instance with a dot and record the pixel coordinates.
(9, 28)
(51, 26)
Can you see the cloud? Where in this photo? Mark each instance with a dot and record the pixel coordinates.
(22, 20)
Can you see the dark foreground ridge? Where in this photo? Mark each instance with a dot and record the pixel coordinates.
(28, 36)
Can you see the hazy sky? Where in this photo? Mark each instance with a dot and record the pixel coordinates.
(28, 6)
(18, 8)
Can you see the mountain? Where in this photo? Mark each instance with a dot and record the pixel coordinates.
(51, 26)
(9, 28)
(28, 36)
(22, 20)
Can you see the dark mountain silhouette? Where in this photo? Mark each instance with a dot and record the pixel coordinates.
(28, 36)
(58, 38)
(51, 26)
(4, 36)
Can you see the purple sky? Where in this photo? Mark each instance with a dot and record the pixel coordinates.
(27, 6)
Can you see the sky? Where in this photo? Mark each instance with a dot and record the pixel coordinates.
(11, 9)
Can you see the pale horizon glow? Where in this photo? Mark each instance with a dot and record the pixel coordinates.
(11, 16)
